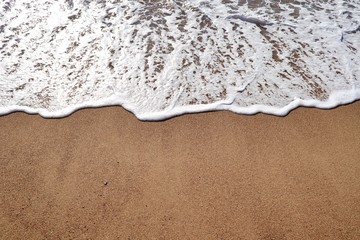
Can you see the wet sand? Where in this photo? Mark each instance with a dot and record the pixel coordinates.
(103, 174)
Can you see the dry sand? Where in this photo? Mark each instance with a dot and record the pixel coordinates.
(103, 174)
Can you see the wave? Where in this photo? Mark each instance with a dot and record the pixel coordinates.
(159, 59)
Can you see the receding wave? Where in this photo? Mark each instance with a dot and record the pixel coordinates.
(164, 58)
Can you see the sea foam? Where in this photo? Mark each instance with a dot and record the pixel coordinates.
(164, 58)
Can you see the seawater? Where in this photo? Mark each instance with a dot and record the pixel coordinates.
(164, 58)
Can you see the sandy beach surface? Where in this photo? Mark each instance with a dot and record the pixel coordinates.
(103, 174)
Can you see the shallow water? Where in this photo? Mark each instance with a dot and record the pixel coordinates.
(164, 58)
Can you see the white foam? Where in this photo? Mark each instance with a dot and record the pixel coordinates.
(336, 98)
(163, 59)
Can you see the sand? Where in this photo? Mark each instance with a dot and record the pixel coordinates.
(103, 174)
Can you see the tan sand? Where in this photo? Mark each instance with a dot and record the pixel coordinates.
(102, 174)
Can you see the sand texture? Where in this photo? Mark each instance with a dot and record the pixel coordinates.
(103, 174)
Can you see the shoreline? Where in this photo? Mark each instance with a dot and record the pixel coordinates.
(336, 99)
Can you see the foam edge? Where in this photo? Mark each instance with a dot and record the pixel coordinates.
(336, 98)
